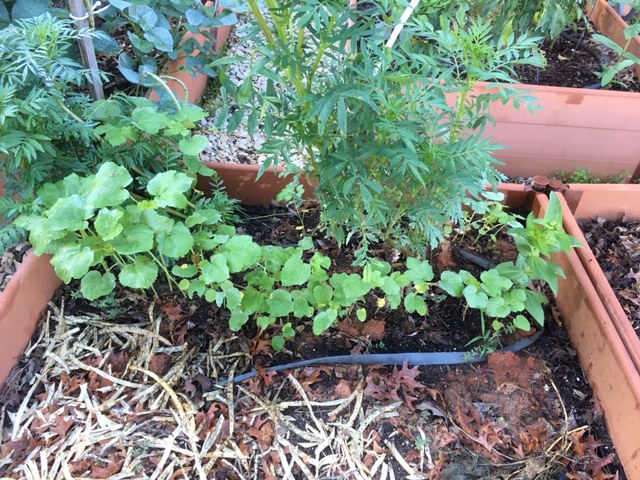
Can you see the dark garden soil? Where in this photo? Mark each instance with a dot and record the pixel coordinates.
(133, 386)
(616, 245)
(573, 60)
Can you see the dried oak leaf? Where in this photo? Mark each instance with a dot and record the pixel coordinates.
(108, 470)
(160, 364)
(262, 431)
(374, 329)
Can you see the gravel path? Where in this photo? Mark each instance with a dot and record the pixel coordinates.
(238, 146)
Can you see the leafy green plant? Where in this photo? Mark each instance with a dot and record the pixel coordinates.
(39, 83)
(625, 60)
(96, 227)
(100, 231)
(154, 33)
(504, 291)
(378, 126)
(48, 128)
(583, 175)
(545, 18)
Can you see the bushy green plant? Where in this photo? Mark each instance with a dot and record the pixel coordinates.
(393, 136)
(584, 175)
(99, 230)
(154, 30)
(545, 18)
(504, 291)
(43, 130)
(49, 128)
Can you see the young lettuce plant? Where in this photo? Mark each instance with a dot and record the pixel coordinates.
(392, 136)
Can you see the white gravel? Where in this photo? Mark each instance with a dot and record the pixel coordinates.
(237, 146)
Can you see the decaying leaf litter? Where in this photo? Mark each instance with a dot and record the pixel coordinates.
(140, 397)
(616, 245)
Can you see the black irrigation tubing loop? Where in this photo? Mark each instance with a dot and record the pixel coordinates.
(413, 358)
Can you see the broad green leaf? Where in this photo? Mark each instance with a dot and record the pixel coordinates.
(607, 42)
(206, 216)
(277, 343)
(301, 307)
(322, 294)
(69, 213)
(161, 38)
(237, 320)
(143, 15)
(149, 120)
(323, 320)
(475, 298)
(72, 261)
(157, 222)
(185, 270)
(241, 252)
(451, 283)
(306, 243)
(543, 270)
(107, 223)
(264, 322)
(418, 271)
(107, 188)
(288, 331)
(168, 188)
(215, 270)
(348, 288)
(252, 301)
(261, 279)
(29, 8)
(415, 303)
(128, 68)
(522, 323)
(554, 210)
(280, 303)
(233, 296)
(134, 239)
(494, 283)
(533, 305)
(361, 313)
(194, 145)
(295, 272)
(497, 307)
(95, 285)
(141, 273)
(145, 46)
(175, 243)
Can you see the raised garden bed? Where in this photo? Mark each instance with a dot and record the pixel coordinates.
(142, 377)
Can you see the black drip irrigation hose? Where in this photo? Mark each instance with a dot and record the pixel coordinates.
(413, 358)
(416, 358)
(590, 50)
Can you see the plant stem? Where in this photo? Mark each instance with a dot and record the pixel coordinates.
(170, 279)
(165, 87)
(69, 112)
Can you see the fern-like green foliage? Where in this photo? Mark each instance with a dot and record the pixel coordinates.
(393, 136)
(42, 134)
